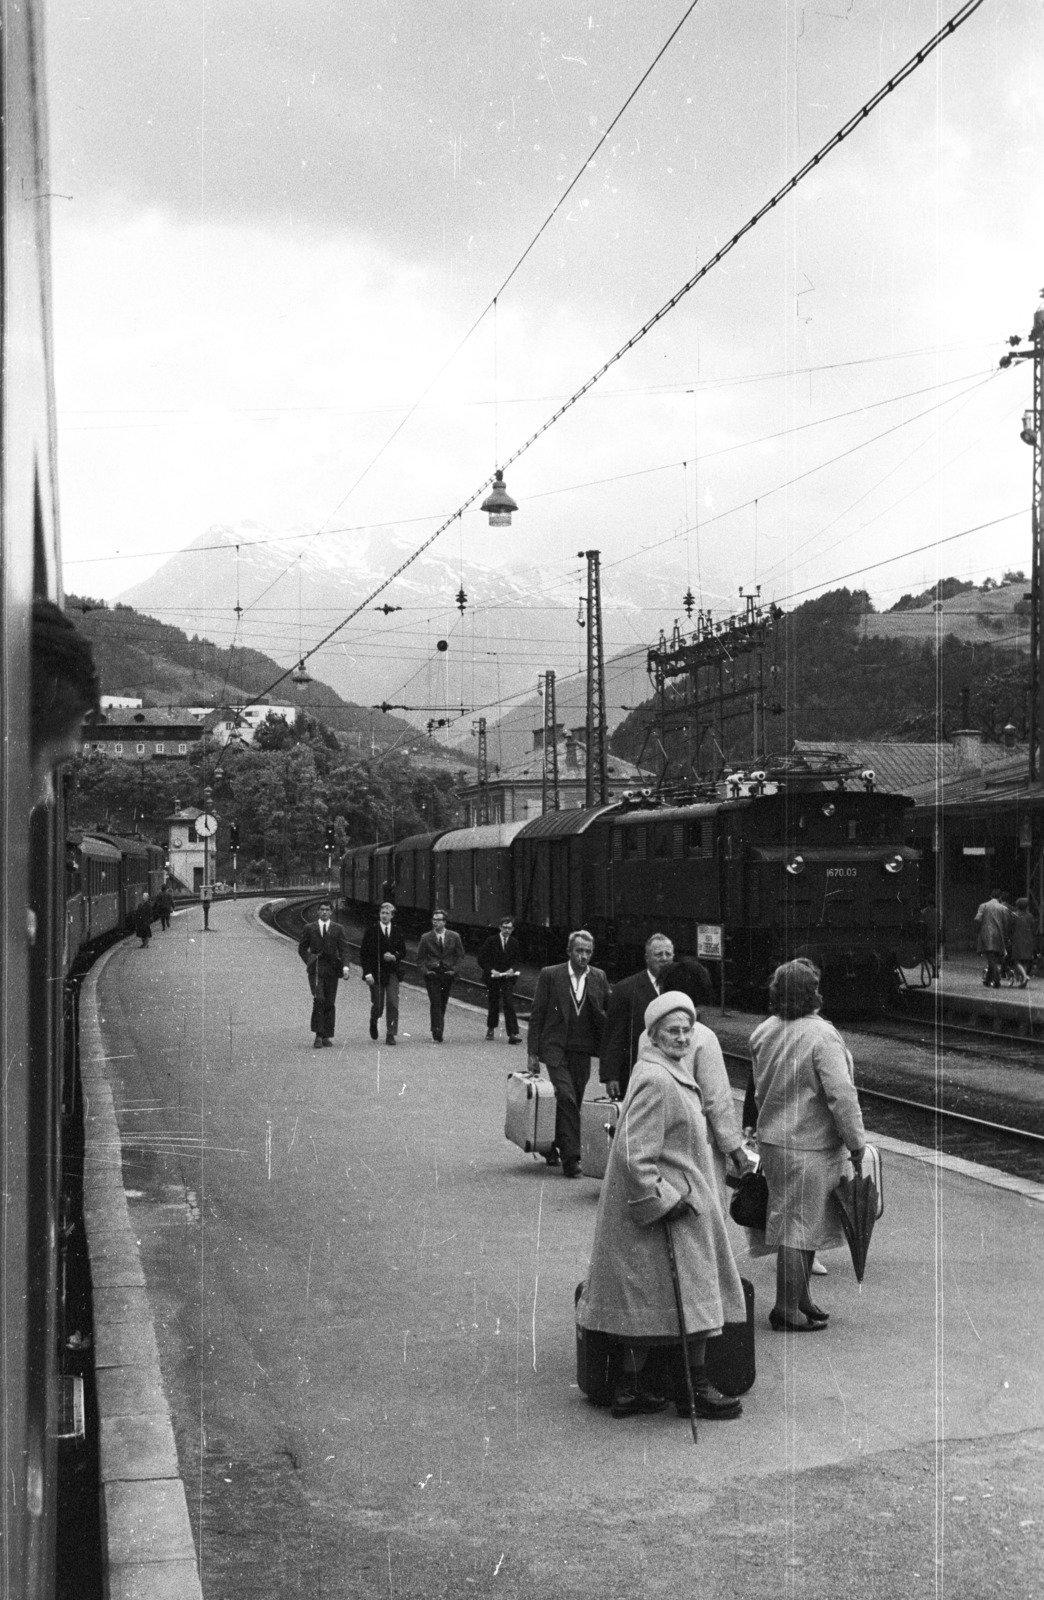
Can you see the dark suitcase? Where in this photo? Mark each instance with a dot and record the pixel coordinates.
(597, 1361)
(730, 1356)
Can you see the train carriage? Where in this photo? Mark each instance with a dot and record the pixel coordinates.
(561, 882)
(413, 877)
(473, 877)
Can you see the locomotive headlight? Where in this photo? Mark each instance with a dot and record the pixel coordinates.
(894, 864)
(829, 809)
(796, 866)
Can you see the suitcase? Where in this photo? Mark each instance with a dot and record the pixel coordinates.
(598, 1119)
(597, 1361)
(530, 1118)
(730, 1357)
(872, 1170)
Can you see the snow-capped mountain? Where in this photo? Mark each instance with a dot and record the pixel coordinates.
(285, 594)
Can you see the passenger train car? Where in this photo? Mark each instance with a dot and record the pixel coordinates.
(56, 893)
(821, 867)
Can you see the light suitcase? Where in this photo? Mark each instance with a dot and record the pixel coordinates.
(598, 1119)
(530, 1118)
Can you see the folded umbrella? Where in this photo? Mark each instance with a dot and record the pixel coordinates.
(857, 1201)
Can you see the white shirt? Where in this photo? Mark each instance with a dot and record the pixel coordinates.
(654, 981)
(579, 986)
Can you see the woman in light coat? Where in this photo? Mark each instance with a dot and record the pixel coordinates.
(808, 1111)
(661, 1166)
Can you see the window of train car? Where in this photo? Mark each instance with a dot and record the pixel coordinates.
(699, 837)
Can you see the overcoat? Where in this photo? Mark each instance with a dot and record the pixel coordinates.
(993, 920)
(624, 1024)
(660, 1155)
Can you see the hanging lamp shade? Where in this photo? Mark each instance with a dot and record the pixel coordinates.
(498, 503)
(301, 674)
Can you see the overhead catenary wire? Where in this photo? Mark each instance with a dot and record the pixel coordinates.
(860, 116)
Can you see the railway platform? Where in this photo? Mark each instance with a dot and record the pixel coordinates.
(335, 1344)
(959, 995)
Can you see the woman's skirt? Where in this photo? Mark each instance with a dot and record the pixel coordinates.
(802, 1211)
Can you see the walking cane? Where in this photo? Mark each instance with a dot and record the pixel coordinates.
(681, 1326)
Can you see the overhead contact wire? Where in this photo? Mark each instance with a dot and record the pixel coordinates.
(961, 16)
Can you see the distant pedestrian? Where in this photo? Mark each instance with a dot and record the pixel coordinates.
(566, 1025)
(324, 950)
(143, 921)
(624, 1021)
(993, 920)
(163, 905)
(500, 959)
(1022, 940)
(440, 952)
(382, 954)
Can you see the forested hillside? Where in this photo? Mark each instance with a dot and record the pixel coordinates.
(831, 682)
(138, 655)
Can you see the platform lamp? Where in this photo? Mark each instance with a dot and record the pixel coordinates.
(498, 504)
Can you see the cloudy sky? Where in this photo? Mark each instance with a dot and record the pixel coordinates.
(276, 223)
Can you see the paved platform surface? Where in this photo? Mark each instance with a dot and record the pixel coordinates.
(360, 1297)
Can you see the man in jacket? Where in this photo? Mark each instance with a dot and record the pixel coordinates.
(500, 959)
(625, 1019)
(439, 954)
(993, 920)
(565, 1031)
(324, 950)
(382, 954)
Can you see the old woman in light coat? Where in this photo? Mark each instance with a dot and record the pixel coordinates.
(661, 1168)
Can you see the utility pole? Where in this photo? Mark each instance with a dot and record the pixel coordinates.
(483, 771)
(1032, 349)
(549, 774)
(596, 762)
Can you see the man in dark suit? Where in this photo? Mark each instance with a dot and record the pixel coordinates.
(324, 950)
(440, 952)
(625, 1019)
(382, 954)
(500, 959)
(565, 1031)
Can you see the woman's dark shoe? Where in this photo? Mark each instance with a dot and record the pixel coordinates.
(777, 1322)
(631, 1401)
(709, 1402)
(814, 1314)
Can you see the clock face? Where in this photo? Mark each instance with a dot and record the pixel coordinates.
(177, 843)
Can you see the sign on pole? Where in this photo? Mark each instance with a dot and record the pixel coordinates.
(710, 946)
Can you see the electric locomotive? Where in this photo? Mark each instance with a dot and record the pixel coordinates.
(797, 865)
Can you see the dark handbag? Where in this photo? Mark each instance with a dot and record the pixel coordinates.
(749, 1205)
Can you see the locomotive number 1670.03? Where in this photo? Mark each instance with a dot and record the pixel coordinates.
(842, 872)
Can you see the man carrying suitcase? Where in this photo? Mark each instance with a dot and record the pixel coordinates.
(565, 1031)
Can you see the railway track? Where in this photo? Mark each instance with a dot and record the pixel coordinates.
(957, 1038)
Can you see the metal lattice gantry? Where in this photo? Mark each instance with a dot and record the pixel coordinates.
(713, 677)
(596, 756)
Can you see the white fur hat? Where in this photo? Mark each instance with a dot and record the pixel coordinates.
(673, 1000)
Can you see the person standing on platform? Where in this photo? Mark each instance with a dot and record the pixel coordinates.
(993, 920)
(565, 1030)
(324, 950)
(143, 921)
(661, 1171)
(500, 959)
(440, 952)
(164, 906)
(1022, 940)
(808, 1111)
(624, 1021)
(382, 954)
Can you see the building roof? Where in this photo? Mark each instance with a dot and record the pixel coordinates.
(935, 775)
(145, 716)
(904, 768)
